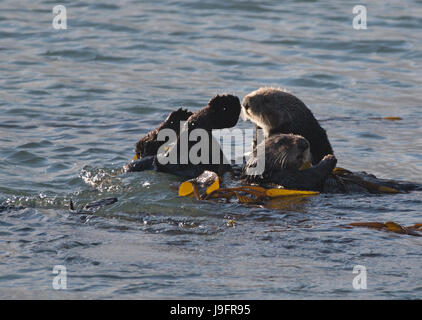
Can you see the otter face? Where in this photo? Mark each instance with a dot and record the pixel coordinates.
(286, 152)
(265, 107)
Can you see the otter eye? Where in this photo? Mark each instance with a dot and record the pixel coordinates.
(246, 106)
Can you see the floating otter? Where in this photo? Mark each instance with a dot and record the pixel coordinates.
(222, 111)
(285, 155)
(276, 111)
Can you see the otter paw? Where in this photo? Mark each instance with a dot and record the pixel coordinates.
(329, 157)
(329, 161)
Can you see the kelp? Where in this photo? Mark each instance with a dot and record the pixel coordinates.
(201, 186)
(414, 230)
(367, 181)
(387, 118)
(207, 187)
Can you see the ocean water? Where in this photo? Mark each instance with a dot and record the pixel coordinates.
(74, 102)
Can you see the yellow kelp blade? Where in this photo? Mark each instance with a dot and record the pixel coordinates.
(376, 225)
(375, 188)
(272, 193)
(215, 185)
(305, 166)
(185, 189)
(393, 118)
(387, 118)
(395, 227)
(340, 171)
(385, 189)
(417, 226)
(389, 226)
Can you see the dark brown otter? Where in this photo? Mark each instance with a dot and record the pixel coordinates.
(276, 111)
(285, 154)
(222, 111)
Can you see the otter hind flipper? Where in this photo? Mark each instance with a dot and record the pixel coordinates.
(149, 145)
(146, 163)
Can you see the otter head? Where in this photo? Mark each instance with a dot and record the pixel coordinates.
(221, 112)
(286, 152)
(269, 108)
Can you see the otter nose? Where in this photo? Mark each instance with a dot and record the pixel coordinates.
(302, 144)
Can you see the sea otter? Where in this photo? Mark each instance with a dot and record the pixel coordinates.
(277, 111)
(285, 155)
(222, 111)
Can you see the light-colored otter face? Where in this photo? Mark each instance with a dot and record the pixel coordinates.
(287, 152)
(265, 107)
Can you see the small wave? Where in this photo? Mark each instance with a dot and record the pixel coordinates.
(101, 179)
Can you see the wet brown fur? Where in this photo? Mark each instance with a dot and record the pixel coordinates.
(277, 111)
(284, 156)
(222, 111)
(148, 145)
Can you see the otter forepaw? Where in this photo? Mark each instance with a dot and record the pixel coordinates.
(329, 157)
(329, 162)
